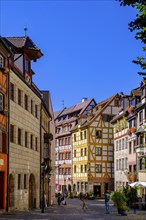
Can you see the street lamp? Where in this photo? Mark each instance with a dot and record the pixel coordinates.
(64, 176)
(43, 170)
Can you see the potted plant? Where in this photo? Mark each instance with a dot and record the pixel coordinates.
(131, 177)
(91, 196)
(119, 199)
(133, 129)
(131, 109)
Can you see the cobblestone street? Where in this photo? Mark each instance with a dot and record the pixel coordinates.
(73, 211)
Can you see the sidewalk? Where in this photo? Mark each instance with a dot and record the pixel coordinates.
(73, 211)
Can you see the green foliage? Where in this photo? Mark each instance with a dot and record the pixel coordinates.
(119, 199)
(138, 25)
(131, 196)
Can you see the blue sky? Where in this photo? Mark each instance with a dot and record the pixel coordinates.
(88, 49)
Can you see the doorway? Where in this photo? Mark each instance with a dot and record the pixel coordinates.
(32, 200)
(97, 190)
(1, 190)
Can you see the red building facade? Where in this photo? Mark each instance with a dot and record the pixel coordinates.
(5, 54)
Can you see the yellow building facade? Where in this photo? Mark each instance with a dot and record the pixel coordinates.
(93, 149)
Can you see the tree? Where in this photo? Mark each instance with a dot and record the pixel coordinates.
(138, 25)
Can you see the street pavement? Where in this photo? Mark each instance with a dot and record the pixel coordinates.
(73, 211)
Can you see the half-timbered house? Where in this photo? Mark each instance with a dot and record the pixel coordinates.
(93, 149)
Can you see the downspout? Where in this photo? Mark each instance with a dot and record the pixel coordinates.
(8, 137)
(40, 149)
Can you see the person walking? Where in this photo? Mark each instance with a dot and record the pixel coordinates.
(84, 198)
(63, 199)
(107, 199)
(59, 198)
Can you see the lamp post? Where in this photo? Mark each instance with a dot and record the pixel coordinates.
(43, 169)
(64, 176)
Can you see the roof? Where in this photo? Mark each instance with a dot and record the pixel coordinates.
(136, 92)
(100, 107)
(21, 43)
(78, 108)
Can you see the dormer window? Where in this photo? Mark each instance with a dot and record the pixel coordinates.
(1, 102)
(27, 66)
(1, 61)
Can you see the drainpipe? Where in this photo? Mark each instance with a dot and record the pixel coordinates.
(40, 149)
(8, 137)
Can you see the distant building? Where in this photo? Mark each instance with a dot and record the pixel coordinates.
(65, 121)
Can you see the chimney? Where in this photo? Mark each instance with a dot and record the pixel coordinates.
(84, 99)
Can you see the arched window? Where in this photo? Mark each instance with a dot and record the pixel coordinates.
(1, 61)
(1, 102)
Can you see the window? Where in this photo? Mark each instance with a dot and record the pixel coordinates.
(81, 168)
(25, 183)
(31, 141)
(126, 163)
(98, 151)
(12, 133)
(19, 181)
(26, 139)
(85, 136)
(26, 102)
(27, 66)
(85, 168)
(12, 91)
(134, 144)
(19, 97)
(122, 163)
(74, 153)
(98, 168)
(122, 143)
(36, 143)
(75, 169)
(140, 116)
(126, 141)
(66, 141)
(57, 130)
(31, 107)
(98, 134)
(81, 136)
(74, 137)
(1, 102)
(3, 142)
(117, 145)
(19, 136)
(130, 150)
(117, 102)
(1, 61)
(36, 111)
(117, 164)
(81, 152)
(107, 118)
(85, 151)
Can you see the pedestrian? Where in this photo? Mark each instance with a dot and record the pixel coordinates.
(84, 198)
(107, 199)
(59, 198)
(63, 200)
(143, 201)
